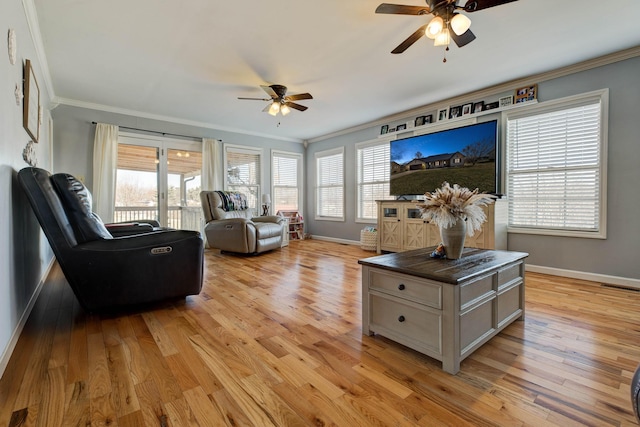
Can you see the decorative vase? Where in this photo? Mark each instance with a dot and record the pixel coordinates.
(453, 239)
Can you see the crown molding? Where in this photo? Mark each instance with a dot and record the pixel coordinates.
(34, 28)
(494, 91)
(100, 107)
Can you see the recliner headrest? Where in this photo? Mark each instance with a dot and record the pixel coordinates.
(77, 201)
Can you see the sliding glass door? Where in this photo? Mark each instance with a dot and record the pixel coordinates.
(159, 178)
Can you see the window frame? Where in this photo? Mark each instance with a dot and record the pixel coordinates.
(300, 178)
(359, 184)
(242, 149)
(601, 96)
(318, 157)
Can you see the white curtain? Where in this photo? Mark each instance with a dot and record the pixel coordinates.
(211, 170)
(212, 165)
(105, 162)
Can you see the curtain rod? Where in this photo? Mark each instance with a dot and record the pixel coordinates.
(155, 131)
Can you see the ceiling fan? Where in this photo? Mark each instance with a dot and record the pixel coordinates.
(446, 24)
(280, 101)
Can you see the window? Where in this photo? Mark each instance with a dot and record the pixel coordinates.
(556, 167)
(287, 181)
(373, 171)
(243, 173)
(158, 178)
(330, 185)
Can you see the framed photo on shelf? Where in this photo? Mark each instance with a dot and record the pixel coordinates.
(455, 112)
(477, 106)
(443, 113)
(505, 101)
(524, 94)
(392, 130)
(419, 121)
(428, 118)
(401, 127)
(490, 106)
(466, 109)
(384, 129)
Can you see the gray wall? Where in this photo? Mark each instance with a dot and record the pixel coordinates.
(73, 134)
(615, 256)
(24, 252)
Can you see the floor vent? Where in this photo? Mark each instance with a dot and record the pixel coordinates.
(622, 288)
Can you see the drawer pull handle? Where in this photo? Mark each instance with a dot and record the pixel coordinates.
(401, 319)
(401, 286)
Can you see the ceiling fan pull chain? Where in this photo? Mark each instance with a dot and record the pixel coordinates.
(445, 54)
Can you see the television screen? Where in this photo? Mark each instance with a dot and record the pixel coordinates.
(465, 156)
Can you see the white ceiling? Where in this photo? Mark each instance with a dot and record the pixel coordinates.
(189, 61)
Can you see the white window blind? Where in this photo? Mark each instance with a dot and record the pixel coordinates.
(286, 187)
(330, 185)
(555, 169)
(243, 173)
(373, 172)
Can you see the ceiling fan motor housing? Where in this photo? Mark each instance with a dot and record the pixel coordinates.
(280, 90)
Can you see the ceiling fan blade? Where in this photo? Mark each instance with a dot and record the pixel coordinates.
(398, 9)
(269, 91)
(410, 40)
(296, 106)
(475, 5)
(256, 99)
(266, 109)
(462, 39)
(298, 97)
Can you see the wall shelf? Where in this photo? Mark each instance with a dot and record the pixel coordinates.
(461, 119)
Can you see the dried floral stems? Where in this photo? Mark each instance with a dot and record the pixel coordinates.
(448, 204)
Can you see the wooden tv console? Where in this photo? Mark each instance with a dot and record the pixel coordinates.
(443, 308)
(401, 228)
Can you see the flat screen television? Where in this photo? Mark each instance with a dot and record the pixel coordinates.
(465, 155)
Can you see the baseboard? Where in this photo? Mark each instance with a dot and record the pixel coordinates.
(593, 277)
(11, 345)
(335, 240)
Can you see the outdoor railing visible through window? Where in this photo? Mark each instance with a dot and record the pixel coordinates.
(179, 217)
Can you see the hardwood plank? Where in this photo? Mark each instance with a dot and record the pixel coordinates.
(276, 340)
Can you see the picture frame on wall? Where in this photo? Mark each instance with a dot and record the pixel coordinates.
(31, 106)
(443, 113)
(505, 101)
(527, 93)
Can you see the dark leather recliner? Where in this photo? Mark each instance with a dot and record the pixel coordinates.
(133, 264)
(635, 393)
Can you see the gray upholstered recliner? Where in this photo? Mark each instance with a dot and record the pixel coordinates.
(231, 226)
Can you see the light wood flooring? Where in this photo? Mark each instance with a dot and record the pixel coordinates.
(276, 339)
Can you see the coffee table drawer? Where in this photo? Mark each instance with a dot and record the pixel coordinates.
(407, 287)
(406, 323)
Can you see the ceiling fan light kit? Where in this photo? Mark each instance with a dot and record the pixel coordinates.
(280, 101)
(446, 24)
(460, 23)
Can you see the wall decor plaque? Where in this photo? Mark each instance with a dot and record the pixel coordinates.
(31, 111)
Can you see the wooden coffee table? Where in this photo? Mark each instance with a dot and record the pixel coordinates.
(443, 308)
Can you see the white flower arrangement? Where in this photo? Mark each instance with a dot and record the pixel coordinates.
(447, 205)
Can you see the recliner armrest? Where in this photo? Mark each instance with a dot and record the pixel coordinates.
(269, 218)
(128, 228)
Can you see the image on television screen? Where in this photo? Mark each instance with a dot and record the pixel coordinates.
(465, 156)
